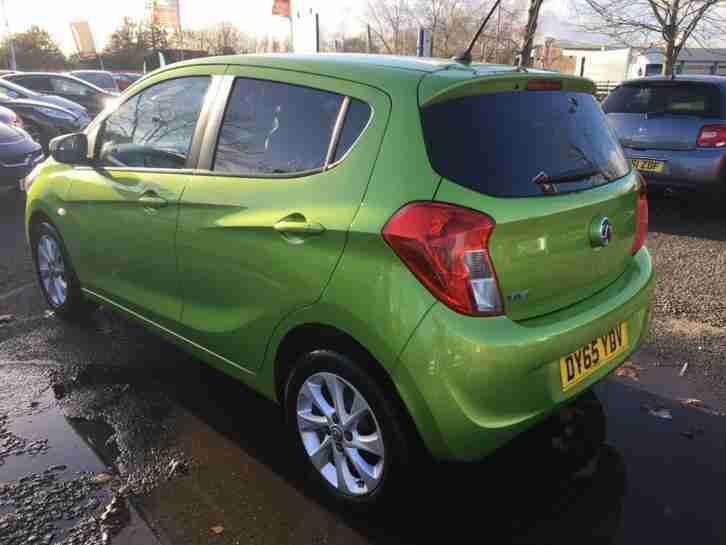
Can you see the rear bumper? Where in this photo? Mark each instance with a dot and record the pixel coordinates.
(472, 384)
(688, 169)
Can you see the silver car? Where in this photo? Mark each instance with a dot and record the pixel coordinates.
(673, 130)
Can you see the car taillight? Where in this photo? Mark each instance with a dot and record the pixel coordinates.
(544, 85)
(712, 136)
(641, 220)
(447, 248)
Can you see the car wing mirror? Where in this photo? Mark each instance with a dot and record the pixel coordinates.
(70, 148)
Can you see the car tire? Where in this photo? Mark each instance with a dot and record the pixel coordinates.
(352, 475)
(56, 276)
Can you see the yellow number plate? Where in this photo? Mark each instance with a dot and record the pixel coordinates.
(580, 364)
(648, 165)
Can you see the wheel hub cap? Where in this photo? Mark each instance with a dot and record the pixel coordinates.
(340, 434)
(51, 268)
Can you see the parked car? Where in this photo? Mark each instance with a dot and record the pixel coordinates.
(124, 79)
(100, 78)
(93, 98)
(364, 240)
(13, 91)
(43, 120)
(673, 130)
(18, 152)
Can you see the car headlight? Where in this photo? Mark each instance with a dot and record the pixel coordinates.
(32, 175)
(57, 114)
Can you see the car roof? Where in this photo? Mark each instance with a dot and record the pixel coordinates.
(90, 72)
(720, 80)
(391, 73)
(66, 75)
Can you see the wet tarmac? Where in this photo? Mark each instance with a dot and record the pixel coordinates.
(105, 411)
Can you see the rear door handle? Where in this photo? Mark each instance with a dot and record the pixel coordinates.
(297, 224)
(152, 199)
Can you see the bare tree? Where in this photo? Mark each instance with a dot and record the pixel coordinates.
(452, 23)
(389, 19)
(674, 23)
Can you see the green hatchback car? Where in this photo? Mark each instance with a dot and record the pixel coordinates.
(409, 255)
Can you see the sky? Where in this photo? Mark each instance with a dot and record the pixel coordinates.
(104, 16)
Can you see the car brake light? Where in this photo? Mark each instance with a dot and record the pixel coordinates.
(641, 219)
(447, 248)
(712, 136)
(544, 85)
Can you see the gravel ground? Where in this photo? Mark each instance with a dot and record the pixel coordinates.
(688, 242)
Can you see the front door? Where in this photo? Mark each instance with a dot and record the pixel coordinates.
(261, 231)
(125, 207)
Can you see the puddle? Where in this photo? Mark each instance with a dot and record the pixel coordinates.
(48, 463)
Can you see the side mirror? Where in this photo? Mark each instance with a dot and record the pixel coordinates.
(70, 148)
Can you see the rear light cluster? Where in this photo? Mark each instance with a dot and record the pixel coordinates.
(712, 136)
(447, 248)
(544, 85)
(641, 219)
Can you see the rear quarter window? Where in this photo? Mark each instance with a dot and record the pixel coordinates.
(499, 143)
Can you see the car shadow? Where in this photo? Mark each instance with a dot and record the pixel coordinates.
(687, 214)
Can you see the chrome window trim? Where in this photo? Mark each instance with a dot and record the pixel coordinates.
(360, 134)
(337, 129)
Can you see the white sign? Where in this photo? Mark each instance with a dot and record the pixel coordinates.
(305, 32)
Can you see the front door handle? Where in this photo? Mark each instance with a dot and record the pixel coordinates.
(297, 224)
(152, 199)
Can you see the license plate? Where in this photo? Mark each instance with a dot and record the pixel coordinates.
(648, 165)
(578, 365)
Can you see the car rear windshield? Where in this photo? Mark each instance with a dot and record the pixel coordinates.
(665, 97)
(500, 144)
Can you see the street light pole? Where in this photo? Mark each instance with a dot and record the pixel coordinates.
(13, 64)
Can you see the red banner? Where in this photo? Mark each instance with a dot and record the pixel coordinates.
(166, 13)
(281, 8)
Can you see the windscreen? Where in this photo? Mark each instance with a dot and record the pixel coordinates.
(104, 81)
(665, 97)
(501, 144)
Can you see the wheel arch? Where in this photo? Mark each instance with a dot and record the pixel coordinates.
(307, 337)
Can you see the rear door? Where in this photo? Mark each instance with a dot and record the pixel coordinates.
(663, 114)
(496, 149)
(265, 219)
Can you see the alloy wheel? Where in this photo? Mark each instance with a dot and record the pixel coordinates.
(52, 270)
(340, 434)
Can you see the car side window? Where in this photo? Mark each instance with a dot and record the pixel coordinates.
(36, 83)
(154, 128)
(356, 120)
(275, 128)
(69, 87)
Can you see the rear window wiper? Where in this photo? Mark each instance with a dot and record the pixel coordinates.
(577, 175)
